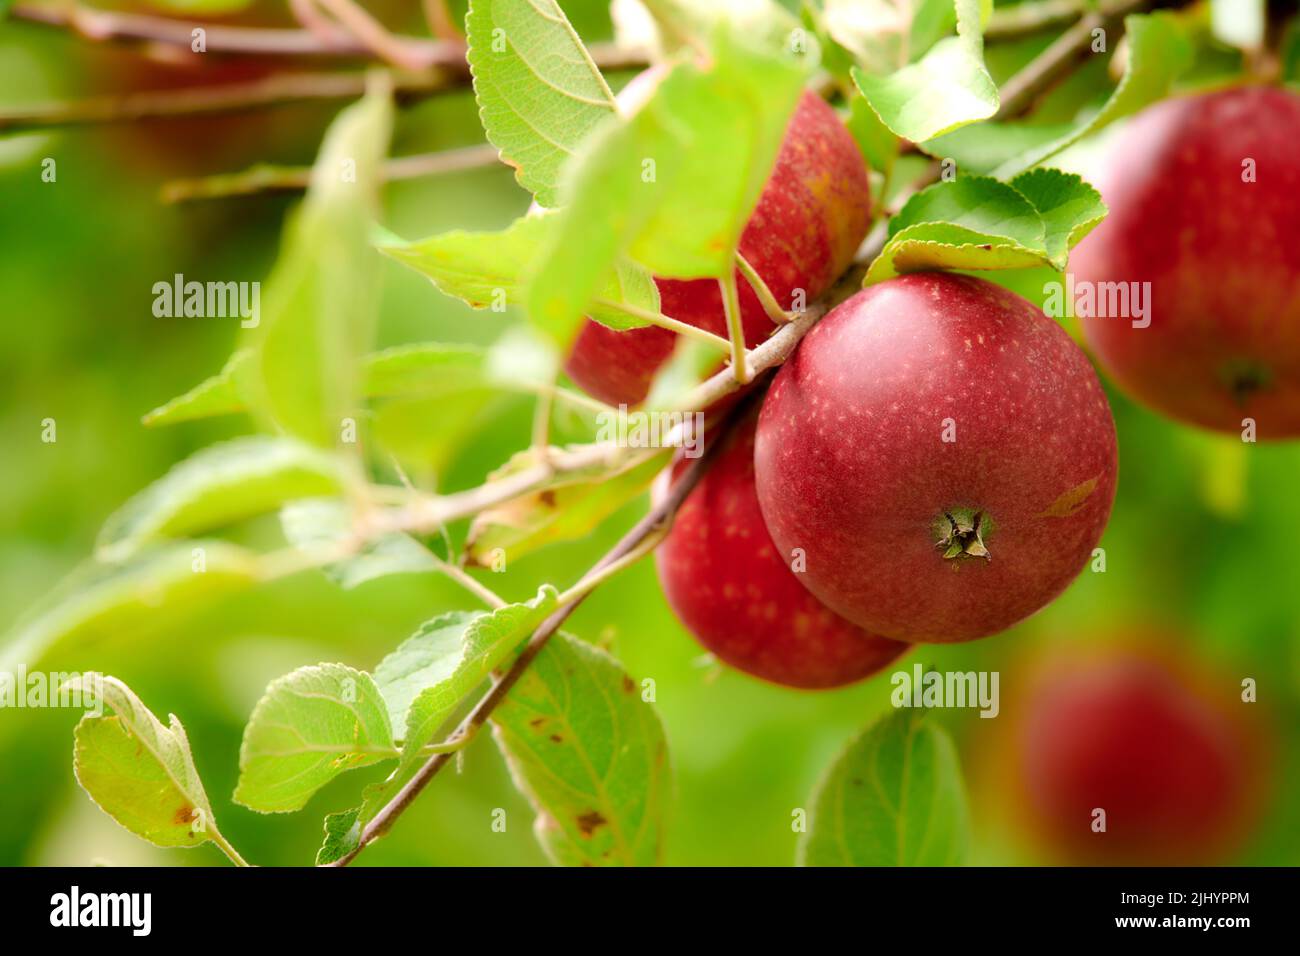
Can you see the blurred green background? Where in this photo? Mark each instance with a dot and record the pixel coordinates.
(1201, 545)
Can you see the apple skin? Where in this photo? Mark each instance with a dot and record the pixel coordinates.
(852, 467)
(1165, 751)
(1222, 257)
(810, 219)
(724, 579)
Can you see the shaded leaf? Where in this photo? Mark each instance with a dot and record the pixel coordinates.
(320, 524)
(218, 486)
(893, 798)
(589, 754)
(563, 511)
(321, 297)
(148, 592)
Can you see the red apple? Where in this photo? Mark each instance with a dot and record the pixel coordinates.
(1204, 196)
(1157, 747)
(727, 583)
(809, 221)
(942, 453)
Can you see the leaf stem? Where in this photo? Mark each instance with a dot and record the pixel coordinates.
(735, 327)
(225, 847)
(269, 178)
(665, 322)
(773, 308)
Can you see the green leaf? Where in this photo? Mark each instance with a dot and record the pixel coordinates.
(1159, 51)
(149, 592)
(971, 222)
(1069, 207)
(539, 92)
(563, 511)
(672, 186)
(321, 524)
(976, 222)
(342, 834)
(309, 727)
(589, 754)
(321, 297)
(947, 88)
(430, 656)
(489, 639)
(456, 652)
(222, 394)
(217, 486)
(983, 147)
(878, 144)
(893, 798)
(138, 771)
(487, 270)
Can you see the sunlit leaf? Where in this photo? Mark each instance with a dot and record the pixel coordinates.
(947, 88)
(673, 186)
(140, 772)
(539, 92)
(309, 727)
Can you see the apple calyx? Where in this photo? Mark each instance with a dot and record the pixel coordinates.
(960, 533)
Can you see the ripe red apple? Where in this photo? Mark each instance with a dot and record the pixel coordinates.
(811, 217)
(1204, 196)
(1168, 754)
(723, 577)
(942, 453)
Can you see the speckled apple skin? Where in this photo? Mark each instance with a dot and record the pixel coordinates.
(1222, 257)
(1156, 747)
(810, 219)
(851, 464)
(725, 581)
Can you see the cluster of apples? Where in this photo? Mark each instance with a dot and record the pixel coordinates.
(937, 460)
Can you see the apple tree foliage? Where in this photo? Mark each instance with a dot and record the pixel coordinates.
(664, 191)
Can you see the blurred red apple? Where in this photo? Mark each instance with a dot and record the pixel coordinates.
(1204, 196)
(1166, 753)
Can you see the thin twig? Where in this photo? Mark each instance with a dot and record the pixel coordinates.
(654, 520)
(267, 178)
(404, 52)
(116, 27)
(1019, 93)
(274, 90)
(1033, 16)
